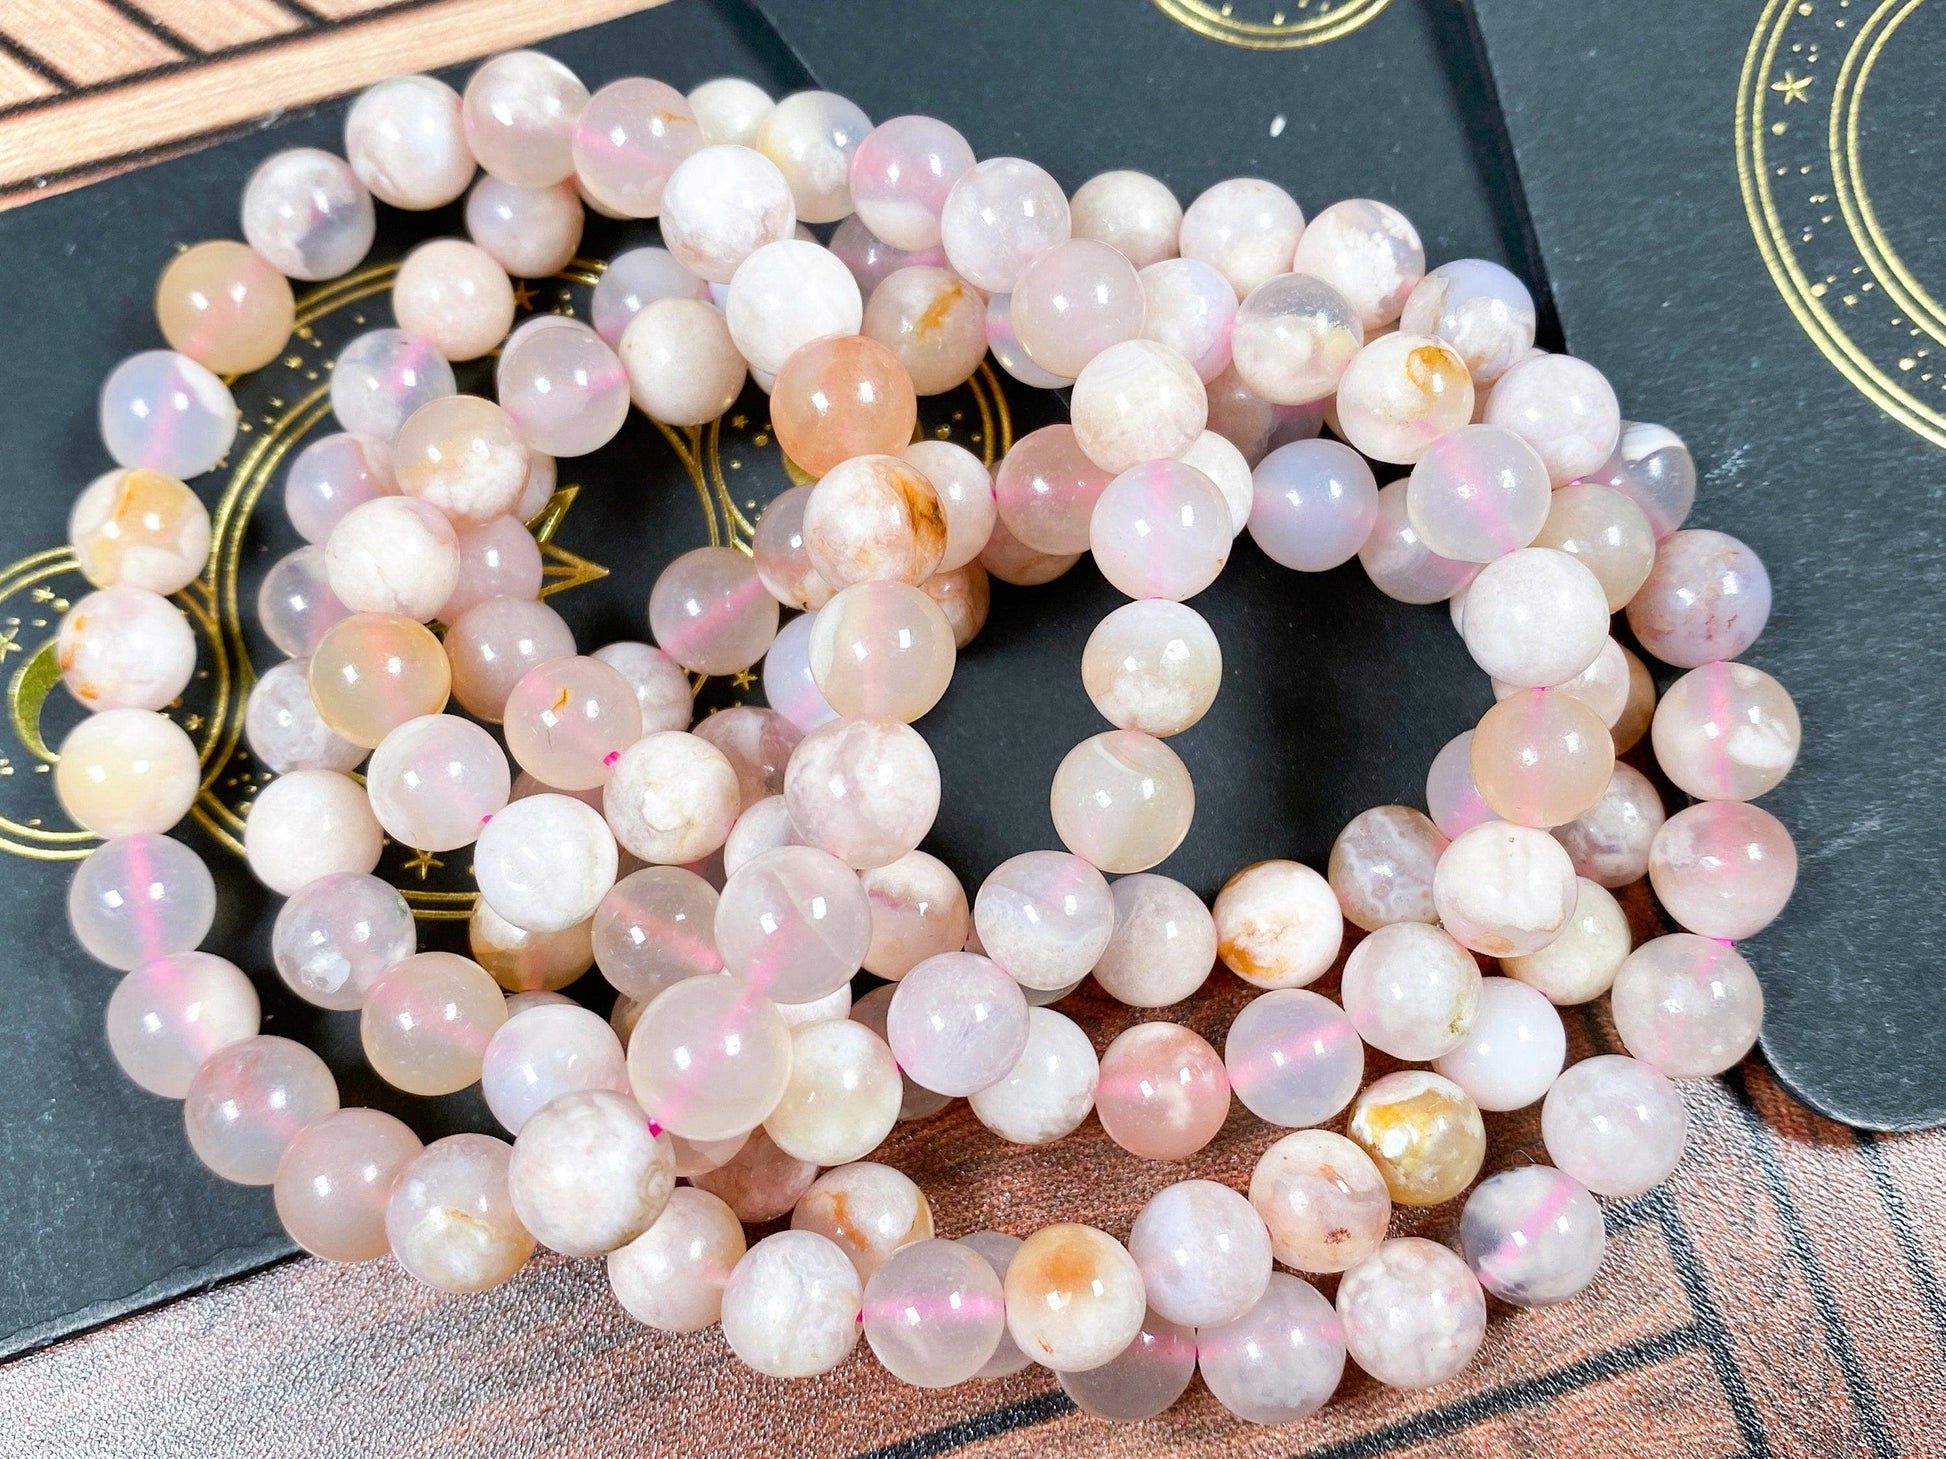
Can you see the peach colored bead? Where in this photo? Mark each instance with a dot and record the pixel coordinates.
(709, 611)
(787, 294)
(1072, 301)
(308, 824)
(683, 367)
(455, 296)
(1603, 686)
(1163, 1092)
(1368, 252)
(758, 744)
(1504, 890)
(463, 455)
(1000, 213)
(435, 780)
(964, 595)
(405, 140)
(842, 397)
(531, 232)
(1045, 490)
(720, 205)
(126, 770)
(140, 528)
(1609, 843)
(874, 518)
(882, 650)
(1382, 864)
(1278, 925)
(528, 962)
(1324, 1201)
(1607, 531)
(710, 1058)
(568, 720)
(1723, 868)
(426, 1024)
(1245, 228)
(334, 1179)
(519, 111)
(1131, 212)
(220, 304)
(1638, 709)
(918, 910)
(932, 322)
(1122, 800)
(758, 1181)
(1009, 559)
(373, 672)
(449, 1219)
(125, 648)
(730, 109)
(1541, 758)
(1402, 392)
(1074, 1297)
(1137, 401)
(843, 1095)
(491, 645)
(1422, 1132)
(869, 1210)
(1687, 1006)
(170, 1014)
(966, 497)
(1725, 732)
(1161, 530)
(247, 1101)
(629, 137)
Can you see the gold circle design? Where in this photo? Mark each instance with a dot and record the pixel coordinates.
(1292, 24)
(1815, 224)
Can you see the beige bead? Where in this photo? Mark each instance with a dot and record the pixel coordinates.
(1580, 964)
(1504, 890)
(463, 455)
(308, 824)
(587, 1175)
(1278, 925)
(223, 306)
(683, 367)
(455, 297)
(1122, 800)
(405, 140)
(127, 770)
(1130, 211)
(1137, 401)
(870, 1210)
(1074, 1297)
(672, 1276)
(140, 528)
(843, 1096)
(933, 322)
(672, 798)
(874, 519)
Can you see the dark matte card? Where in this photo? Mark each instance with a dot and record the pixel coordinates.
(1739, 209)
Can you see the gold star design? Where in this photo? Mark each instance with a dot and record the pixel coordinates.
(9, 642)
(192, 722)
(423, 862)
(523, 296)
(1793, 88)
(561, 569)
(743, 678)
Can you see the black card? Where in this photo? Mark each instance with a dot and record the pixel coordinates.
(1739, 209)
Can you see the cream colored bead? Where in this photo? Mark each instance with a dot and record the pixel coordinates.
(127, 770)
(1580, 964)
(843, 1095)
(455, 297)
(683, 367)
(309, 824)
(672, 798)
(1278, 925)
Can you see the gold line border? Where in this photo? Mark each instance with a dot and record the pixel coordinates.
(1210, 21)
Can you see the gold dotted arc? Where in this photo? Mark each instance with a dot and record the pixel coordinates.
(1286, 25)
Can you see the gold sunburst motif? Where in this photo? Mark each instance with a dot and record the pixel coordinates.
(1806, 75)
(1272, 25)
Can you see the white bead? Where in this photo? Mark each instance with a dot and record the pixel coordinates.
(730, 109)
(309, 824)
(843, 1096)
(1535, 618)
(394, 554)
(720, 206)
(404, 139)
(545, 862)
(1218, 459)
(671, 1277)
(787, 294)
(1137, 401)
(1580, 964)
(587, 1176)
(1504, 890)
(1514, 1050)
(1204, 1253)
(672, 798)
(1051, 1088)
(1278, 925)
(792, 1305)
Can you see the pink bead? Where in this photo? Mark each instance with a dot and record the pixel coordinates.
(1368, 252)
(434, 781)
(672, 1276)
(1399, 564)
(998, 215)
(1451, 796)
(710, 1058)
(1144, 1379)
(882, 650)
(497, 559)
(1323, 1199)
(140, 897)
(492, 644)
(1161, 530)
(531, 232)
(918, 1102)
(1533, 1236)
(934, 1313)
(709, 611)
(757, 742)
(1477, 307)
(655, 928)
(957, 1023)
(1279, 1361)
(1152, 665)
(1723, 868)
(866, 790)
(285, 731)
(795, 923)
(382, 377)
(248, 1100)
(125, 648)
(1137, 402)
(1122, 800)
(1045, 490)
(1245, 228)
(1564, 408)
(918, 910)
(1381, 866)
(1413, 1314)
(783, 556)
(1190, 307)
(1163, 946)
(336, 937)
(789, 685)
(569, 719)
(1478, 492)
(1688, 1006)
(812, 136)
(544, 1053)
(169, 1015)
(1204, 1253)
(628, 139)
(1045, 917)
(331, 476)
(455, 296)
(871, 260)
(1010, 560)
(564, 389)
(334, 1179)
(520, 110)
(427, 1022)
(306, 212)
(1706, 599)
(309, 824)
(397, 554)
(450, 1220)
(1163, 1093)
(1314, 504)
(1072, 301)
(632, 281)
(295, 604)
(1609, 844)
(1615, 1125)
(1004, 344)
(1652, 468)
(1293, 1058)
(901, 175)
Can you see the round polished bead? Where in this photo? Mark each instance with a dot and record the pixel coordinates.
(710, 1058)
(812, 137)
(520, 110)
(1163, 946)
(793, 1306)
(757, 741)
(1706, 599)
(1411, 991)
(450, 1220)
(882, 650)
(434, 781)
(563, 389)
(163, 414)
(932, 323)
(455, 296)
(124, 771)
(1479, 308)
(871, 260)
(1532, 1236)
(1278, 1362)
(545, 1052)
(172, 1013)
(248, 1100)
(1605, 686)
(663, 693)
(382, 377)
(654, 928)
(1314, 504)
(934, 1313)
(709, 611)
(918, 910)
(794, 922)
(492, 644)
(1413, 1313)
(1246, 419)
(998, 215)
(683, 368)
(1582, 960)
(1131, 212)
(1045, 490)
(997, 1250)
(307, 214)
(1382, 865)
(545, 862)
(1609, 843)
(843, 1095)
(1294, 336)
(866, 790)
(1050, 1088)
(1189, 307)
(1563, 407)
(309, 824)
(1325, 1204)
(587, 1175)
(629, 138)
(1638, 707)
(1223, 464)
(1073, 300)
(223, 306)
(1423, 1133)
(730, 109)
(1723, 868)
(1004, 344)
(1163, 1092)
(498, 559)
(338, 935)
(1137, 401)
(757, 1180)
(637, 278)
(1074, 1297)
(1724, 731)
(672, 1276)
(1402, 392)
(1504, 890)
(1512, 1050)
(531, 232)
(1541, 758)
(1399, 564)
(874, 519)
(782, 554)
(295, 604)
(1161, 530)
(868, 1210)
(966, 498)
(1535, 617)
(1688, 1006)
(394, 555)
(1368, 252)
(957, 1023)
(1278, 924)
(568, 720)
(1010, 560)
(1652, 468)
(1245, 228)
(1615, 1124)
(373, 672)
(427, 1022)
(1122, 800)
(1607, 532)
(719, 206)
(1478, 493)
(1045, 917)
(842, 397)
(334, 1179)
(125, 648)
(331, 476)
(140, 897)
(1203, 1251)
(527, 964)
(406, 142)
(671, 798)
(901, 175)
(1143, 1380)
(1293, 1058)
(139, 528)
(787, 294)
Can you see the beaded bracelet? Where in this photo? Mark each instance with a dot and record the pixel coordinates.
(732, 878)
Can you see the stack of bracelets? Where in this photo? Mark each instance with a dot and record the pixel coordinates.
(770, 854)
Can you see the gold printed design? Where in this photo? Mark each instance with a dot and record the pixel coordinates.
(1812, 214)
(1286, 25)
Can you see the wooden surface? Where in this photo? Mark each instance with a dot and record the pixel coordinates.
(1781, 1296)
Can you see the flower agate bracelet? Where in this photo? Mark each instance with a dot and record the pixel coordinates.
(732, 878)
